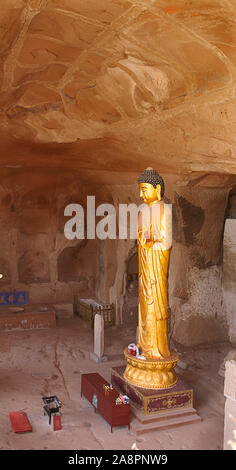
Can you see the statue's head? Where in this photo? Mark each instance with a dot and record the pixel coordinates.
(151, 185)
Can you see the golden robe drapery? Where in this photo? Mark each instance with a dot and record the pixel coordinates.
(153, 292)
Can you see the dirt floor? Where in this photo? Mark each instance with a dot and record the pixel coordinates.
(50, 362)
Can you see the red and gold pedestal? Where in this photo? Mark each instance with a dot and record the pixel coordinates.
(156, 408)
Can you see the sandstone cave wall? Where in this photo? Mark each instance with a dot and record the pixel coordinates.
(195, 277)
(36, 256)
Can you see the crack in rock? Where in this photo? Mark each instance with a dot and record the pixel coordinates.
(58, 366)
(96, 440)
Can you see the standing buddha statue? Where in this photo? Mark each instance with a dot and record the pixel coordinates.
(154, 367)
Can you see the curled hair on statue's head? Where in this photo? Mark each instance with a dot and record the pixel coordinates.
(151, 176)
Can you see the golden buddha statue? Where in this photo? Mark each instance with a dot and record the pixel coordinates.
(153, 368)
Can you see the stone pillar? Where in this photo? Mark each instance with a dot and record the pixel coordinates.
(195, 274)
(229, 276)
(230, 404)
(98, 354)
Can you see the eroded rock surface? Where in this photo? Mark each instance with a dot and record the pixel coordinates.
(153, 81)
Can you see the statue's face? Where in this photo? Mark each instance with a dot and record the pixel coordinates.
(148, 193)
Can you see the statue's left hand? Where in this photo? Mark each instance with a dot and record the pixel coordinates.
(144, 238)
(147, 236)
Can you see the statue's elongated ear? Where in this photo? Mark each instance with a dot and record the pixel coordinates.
(158, 191)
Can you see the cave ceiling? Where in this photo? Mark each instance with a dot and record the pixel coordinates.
(117, 85)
